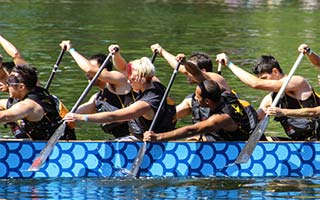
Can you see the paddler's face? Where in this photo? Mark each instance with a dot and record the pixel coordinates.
(266, 76)
(15, 86)
(274, 75)
(134, 81)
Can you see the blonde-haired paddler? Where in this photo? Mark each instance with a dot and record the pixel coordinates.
(140, 73)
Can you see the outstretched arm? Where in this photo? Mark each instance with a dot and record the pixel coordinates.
(112, 77)
(171, 59)
(243, 75)
(312, 56)
(82, 62)
(303, 112)
(26, 109)
(260, 83)
(213, 123)
(12, 51)
(135, 110)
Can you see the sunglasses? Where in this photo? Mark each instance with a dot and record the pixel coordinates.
(13, 80)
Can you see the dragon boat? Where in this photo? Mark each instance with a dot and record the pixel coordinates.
(162, 159)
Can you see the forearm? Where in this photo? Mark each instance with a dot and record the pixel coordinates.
(314, 58)
(12, 51)
(243, 75)
(108, 117)
(8, 116)
(194, 70)
(9, 47)
(304, 112)
(179, 133)
(171, 59)
(119, 62)
(82, 62)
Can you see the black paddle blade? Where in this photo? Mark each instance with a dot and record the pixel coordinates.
(252, 142)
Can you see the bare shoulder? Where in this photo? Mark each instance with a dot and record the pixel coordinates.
(298, 80)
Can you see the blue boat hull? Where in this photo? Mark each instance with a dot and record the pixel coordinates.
(178, 159)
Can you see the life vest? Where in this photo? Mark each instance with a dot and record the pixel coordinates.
(107, 101)
(54, 111)
(199, 113)
(166, 119)
(241, 112)
(299, 128)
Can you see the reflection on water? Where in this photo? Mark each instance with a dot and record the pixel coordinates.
(161, 188)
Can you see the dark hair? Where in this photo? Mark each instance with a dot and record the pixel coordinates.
(202, 60)
(265, 64)
(27, 75)
(100, 58)
(210, 89)
(8, 66)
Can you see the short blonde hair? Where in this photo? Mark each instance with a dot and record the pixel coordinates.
(143, 68)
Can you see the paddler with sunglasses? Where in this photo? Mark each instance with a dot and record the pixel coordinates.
(34, 106)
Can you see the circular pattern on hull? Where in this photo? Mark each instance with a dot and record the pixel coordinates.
(101, 158)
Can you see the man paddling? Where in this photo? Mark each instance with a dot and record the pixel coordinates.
(312, 113)
(201, 72)
(298, 93)
(228, 120)
(115, 91)
(35, 106)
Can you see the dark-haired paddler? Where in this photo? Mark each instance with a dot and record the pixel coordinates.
(228, 121)
(36, 107)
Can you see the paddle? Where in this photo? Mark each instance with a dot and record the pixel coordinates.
(137, 162)
(55, 68)
(60, 130)
(247, 151)
(154, 55)
(219, 68)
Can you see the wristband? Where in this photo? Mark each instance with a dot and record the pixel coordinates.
(229, 64)
(85, 118)
(72, 50)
